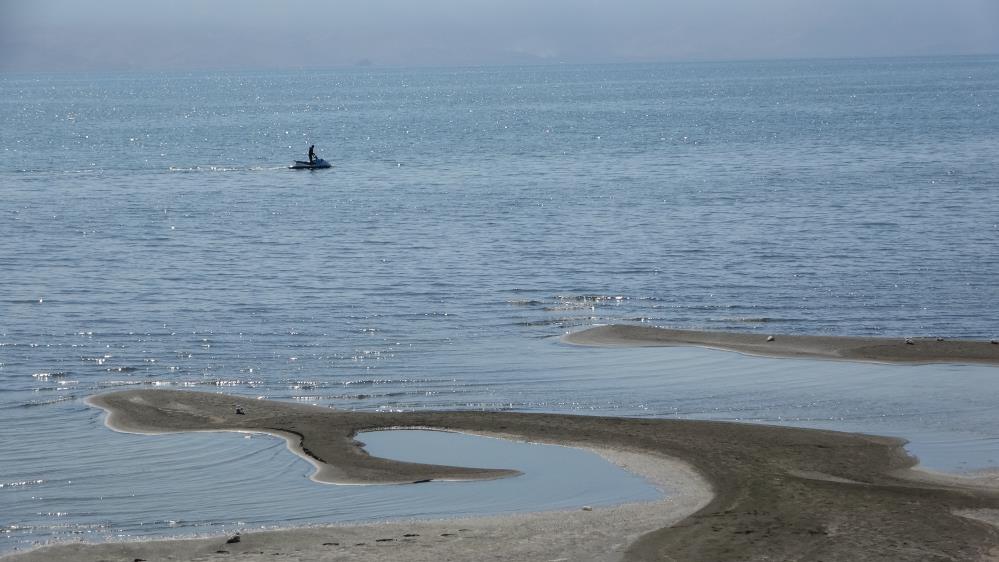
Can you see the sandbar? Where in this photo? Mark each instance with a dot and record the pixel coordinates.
(849, 348)
(737, 491)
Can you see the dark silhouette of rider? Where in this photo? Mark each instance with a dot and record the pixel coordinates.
(312, 154)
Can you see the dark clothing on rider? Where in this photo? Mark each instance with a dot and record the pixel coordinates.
(312, 154)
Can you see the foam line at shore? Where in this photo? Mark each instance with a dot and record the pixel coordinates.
(879, 350)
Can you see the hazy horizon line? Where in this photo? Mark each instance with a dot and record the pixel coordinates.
(367, 64)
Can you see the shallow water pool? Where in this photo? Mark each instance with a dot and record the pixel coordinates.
(211, 483)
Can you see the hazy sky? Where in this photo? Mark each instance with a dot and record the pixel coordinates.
(181, 34)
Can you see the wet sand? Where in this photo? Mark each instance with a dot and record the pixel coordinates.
(778, 493)
(881, 350)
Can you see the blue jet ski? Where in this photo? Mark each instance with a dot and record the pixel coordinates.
(317, 164)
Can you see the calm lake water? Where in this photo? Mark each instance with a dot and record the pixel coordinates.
(150, 234)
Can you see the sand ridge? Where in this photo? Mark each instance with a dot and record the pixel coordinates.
(871, 349)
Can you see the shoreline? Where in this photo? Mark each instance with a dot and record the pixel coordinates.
(779, 492)
(911, 351)
(587, 539)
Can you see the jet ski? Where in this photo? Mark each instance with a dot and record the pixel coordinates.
(317, 164)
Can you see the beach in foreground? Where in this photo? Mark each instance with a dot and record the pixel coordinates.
(740, 492)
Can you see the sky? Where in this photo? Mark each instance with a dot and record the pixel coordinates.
(223, 34)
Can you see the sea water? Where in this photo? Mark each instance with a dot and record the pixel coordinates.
(150, 235)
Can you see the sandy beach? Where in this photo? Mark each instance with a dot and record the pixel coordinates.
(743, 492)
(881, 350)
